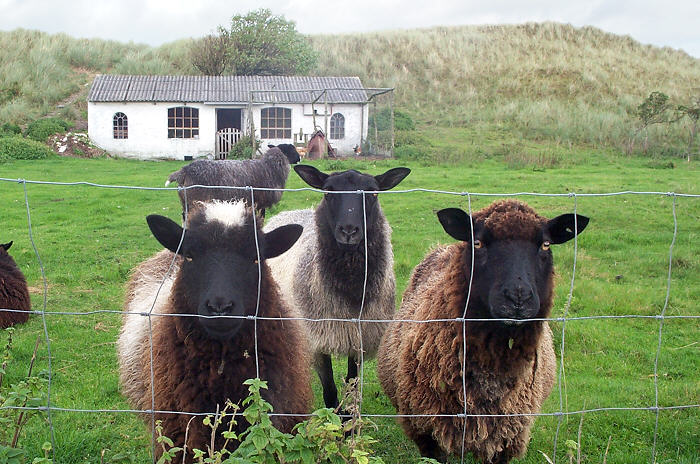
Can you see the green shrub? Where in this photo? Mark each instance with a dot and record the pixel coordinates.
(245, 148)
(8, 129)
(41, 129)
(402, 120)
(402, 137)
(18, 148)
(411, 152)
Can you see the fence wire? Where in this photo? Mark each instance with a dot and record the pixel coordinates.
(560, 414)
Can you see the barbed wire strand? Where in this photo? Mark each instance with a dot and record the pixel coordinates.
(43, 319)
(362, 307)
(257, 301)
(464, 326)
(167, 276)
(389, 192)
(458, 320)
(651, 408)
(661, 327)
(567, 306)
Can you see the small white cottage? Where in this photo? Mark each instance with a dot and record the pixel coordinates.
(178, 117)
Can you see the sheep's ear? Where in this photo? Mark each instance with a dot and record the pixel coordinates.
(561, 228)
(165, 230)
(281, 239)
(270, 146)
(6, 246)
(456, 223)
(391, 178)
(311, 175)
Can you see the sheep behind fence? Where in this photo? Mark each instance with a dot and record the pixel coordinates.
(59, 405)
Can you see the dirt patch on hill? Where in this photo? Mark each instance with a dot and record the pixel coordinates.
(75, 145)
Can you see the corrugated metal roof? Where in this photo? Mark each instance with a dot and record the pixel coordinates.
(226, 89)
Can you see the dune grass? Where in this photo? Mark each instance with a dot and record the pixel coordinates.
(89, 238)
(540, 80)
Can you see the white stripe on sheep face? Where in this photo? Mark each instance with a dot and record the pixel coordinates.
(230, 214)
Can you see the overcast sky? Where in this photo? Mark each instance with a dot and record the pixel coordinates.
(673, 23)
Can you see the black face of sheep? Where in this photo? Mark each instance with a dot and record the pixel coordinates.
(220, 267)
(512, 275)
(343, 213)
(289, 150)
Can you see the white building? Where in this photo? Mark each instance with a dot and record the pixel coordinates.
(173, 117)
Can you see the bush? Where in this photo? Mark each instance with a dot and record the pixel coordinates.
(41, 129)
(9, 129)
(245, 148)
(18, 148)
(402, 138)
(402, 120)
(410, 152)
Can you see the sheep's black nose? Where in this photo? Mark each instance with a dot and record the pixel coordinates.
(219, 307)
(349, 232)
(519, 294)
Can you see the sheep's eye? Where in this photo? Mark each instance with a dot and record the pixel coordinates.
(545, 245)
(478, 244)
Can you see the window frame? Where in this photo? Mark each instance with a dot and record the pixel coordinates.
(276, 122)
(120, 126)
(183, 122)
(336, 131)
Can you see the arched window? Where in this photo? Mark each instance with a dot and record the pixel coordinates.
(120, 125)
(183, 122)
(276, 123)
(337, 126)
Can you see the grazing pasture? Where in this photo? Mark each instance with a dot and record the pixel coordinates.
(89, 238)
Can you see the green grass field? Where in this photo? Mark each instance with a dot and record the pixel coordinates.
(89, 238)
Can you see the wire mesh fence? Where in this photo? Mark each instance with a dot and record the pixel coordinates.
(562, 412)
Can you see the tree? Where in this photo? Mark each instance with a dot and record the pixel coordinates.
(692, 111)
(210, 54)
(258, 43)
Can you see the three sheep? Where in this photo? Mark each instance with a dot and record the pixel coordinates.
(201, 359)
(323, 275)
(14, 294)
(509, 365)
(268, 172)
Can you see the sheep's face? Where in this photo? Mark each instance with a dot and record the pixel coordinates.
(289, 150)
(513, 266)
(344, 214)
(221, 264)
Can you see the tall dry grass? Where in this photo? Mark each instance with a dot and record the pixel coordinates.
(540, 80)
(544, 79)
(38, 70)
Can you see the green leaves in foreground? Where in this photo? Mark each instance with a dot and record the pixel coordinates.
(322, 439)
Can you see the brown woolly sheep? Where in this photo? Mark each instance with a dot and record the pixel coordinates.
(510, 362)
(200, 362)
(14, 294)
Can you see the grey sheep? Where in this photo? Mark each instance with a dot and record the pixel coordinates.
(269, 171)
(322, 275)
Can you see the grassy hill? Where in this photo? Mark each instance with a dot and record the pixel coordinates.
(537, 80)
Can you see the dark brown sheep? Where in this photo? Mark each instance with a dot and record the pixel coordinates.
(510, 362)
(14, 294)
(200, 362)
